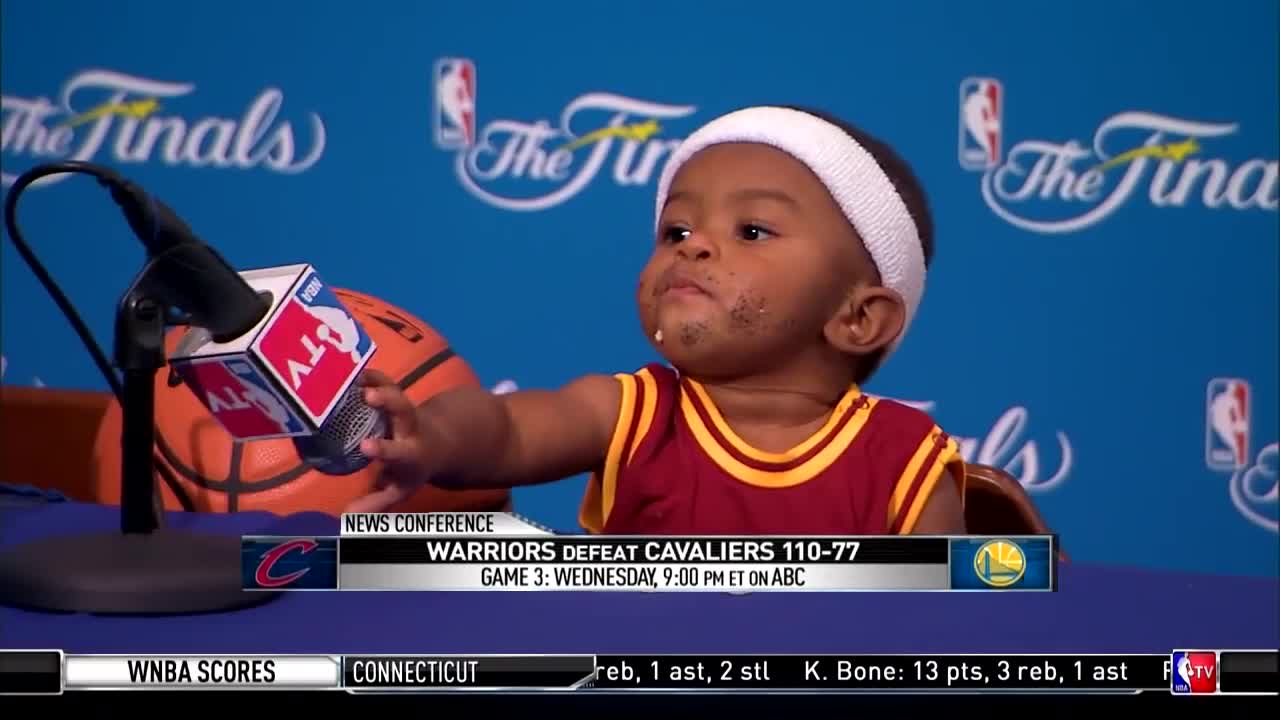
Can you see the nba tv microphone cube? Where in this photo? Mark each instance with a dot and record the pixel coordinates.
(292, 373)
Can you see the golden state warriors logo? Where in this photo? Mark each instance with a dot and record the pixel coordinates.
(999, 563)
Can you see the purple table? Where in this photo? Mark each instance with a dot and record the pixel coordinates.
(1097, 609)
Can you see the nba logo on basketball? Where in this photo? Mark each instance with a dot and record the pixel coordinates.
(981, 110)
(314, 347)
(1227, 425)
(455, 103)
(1194, 673)
(240, 398)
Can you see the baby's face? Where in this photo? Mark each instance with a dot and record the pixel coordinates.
(752, 258)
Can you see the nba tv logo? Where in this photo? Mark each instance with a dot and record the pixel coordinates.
(981, 122)
(1227, 424)
(1193, 673)
(314, 347)
(240, 398)
(455, 103)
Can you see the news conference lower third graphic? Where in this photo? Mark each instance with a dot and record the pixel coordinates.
(1231, 672)
(499, 551)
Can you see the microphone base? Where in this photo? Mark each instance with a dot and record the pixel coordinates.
(166, 572)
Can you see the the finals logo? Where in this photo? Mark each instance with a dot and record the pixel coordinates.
(107, 116)
(535, 165)
(1061, 186)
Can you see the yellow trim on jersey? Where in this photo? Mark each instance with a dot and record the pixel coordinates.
(597, 501)
(908, 476)
(742, 446)
(779, 478)
(590, 511)
(948, 455)
(648, 404)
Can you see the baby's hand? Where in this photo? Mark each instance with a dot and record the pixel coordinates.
(404, 454)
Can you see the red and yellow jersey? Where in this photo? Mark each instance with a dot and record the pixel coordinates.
(675, 467)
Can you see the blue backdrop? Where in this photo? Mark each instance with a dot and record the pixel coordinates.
(1101, 318)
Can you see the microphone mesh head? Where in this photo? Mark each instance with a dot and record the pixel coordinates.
(334, 449)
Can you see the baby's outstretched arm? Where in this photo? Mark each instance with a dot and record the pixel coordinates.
(469, 438)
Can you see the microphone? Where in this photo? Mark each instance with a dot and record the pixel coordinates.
(185, 271)
(271, 353)
(293, 374)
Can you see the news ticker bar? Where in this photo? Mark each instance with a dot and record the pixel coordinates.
(493, 554)
(51, 672)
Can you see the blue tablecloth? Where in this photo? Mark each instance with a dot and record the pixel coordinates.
(1097, 609)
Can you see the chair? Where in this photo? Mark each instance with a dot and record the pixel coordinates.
(47, 437)
(997, 504)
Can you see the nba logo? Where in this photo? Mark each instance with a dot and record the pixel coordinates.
(455, 103)
(314, 347)
(981, 120)
(1227, 424)
(240, 398)
(1193, 673)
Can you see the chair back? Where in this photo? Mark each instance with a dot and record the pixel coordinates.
(47, 437)
(996, 504)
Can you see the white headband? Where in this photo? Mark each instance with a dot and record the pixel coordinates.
(852, 176)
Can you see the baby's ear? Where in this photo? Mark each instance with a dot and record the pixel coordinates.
(869, 319)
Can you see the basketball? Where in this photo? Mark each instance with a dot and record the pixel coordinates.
(210, 472)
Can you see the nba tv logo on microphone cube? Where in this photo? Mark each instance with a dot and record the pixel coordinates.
(285, 377)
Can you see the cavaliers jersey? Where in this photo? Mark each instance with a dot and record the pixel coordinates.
(674, 466)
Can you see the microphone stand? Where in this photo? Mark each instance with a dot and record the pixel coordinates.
(144, 568)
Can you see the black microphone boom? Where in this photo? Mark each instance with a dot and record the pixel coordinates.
(187, 273)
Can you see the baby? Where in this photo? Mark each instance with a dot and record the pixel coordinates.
(789, 260)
